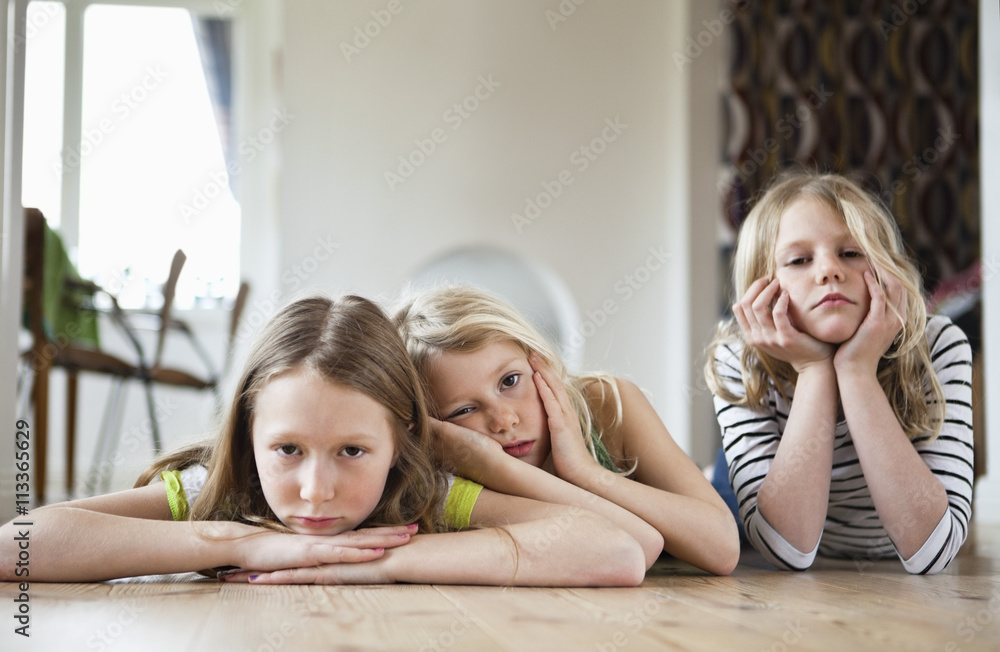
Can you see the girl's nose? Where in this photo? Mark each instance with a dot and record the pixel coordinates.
(317, 481)
(829, 268)
(502, 419)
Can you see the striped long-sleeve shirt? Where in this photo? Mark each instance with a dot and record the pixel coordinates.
(852, 529)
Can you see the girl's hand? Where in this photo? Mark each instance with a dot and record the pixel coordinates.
(570, 455)
(878, 330)
(464, 451)
(763, 317)
(371, 572)
(270, 550)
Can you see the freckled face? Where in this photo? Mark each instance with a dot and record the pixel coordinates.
(323, 452)
(821, 266)
(492, 392)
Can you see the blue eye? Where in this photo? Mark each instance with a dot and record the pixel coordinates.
(510, 381)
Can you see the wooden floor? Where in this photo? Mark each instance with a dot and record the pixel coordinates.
(842, 605)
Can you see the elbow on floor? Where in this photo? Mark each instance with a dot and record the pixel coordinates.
(625, 564)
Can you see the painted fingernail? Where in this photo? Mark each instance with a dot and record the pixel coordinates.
(253, 577)
(412, 527)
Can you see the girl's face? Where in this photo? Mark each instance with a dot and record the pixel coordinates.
(323, 452)
(821, 266)
(492, 392)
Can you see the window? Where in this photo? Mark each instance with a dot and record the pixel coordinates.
(150, 159)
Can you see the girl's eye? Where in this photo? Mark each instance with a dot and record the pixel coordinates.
(509, 381)
(797, 261)
(288, 449)
(352, 451)
(457, 413)
(853, 254)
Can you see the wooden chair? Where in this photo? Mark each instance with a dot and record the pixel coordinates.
(153, 369)
(159, 373)
(57, 350)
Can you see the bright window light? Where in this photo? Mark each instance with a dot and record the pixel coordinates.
(41, 184)
(152, 172)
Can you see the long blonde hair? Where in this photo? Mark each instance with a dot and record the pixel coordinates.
(467, 319)
(903, 368)
(349, 341)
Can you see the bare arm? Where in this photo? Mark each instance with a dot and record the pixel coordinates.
(130, 533)
(667, 490)
(909, 499)
(481, 460)
(795, 495)
(793, 498)
(530, 544)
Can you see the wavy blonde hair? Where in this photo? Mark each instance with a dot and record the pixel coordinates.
(903, 368)
(349, 341)
(466, 319)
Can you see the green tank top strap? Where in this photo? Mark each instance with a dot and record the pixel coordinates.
(603, 456)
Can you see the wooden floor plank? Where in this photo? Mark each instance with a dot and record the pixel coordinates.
(836, 605)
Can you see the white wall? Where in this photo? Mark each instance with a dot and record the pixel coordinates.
(547, 93)
(11, 239)
(987, 508)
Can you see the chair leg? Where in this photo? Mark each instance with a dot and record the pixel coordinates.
(115, 435)
(40, 398)
(71, 390)
(157, 447)
(99, 467)
(25, 388)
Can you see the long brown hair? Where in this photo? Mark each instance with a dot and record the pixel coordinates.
(348, 341)
(904, 367)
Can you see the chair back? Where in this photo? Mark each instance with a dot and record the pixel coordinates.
(34, 276)
(169, 289)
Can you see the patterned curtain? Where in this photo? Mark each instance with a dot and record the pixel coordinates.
(885, 92)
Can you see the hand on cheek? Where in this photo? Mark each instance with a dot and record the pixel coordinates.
(764, 317)
(463, 450)
(879, 328)
(569, 450)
